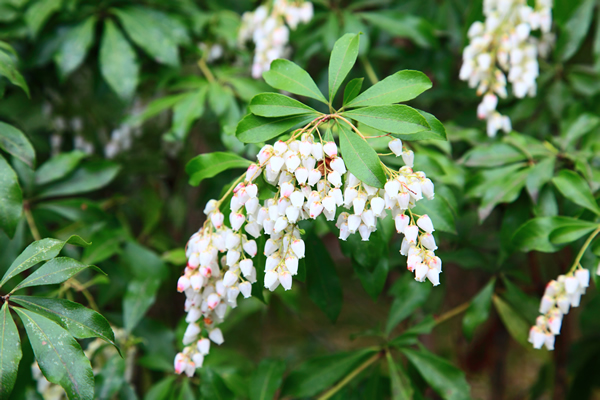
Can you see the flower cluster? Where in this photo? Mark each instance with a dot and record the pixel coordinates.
(266, 27)
(311, 179)
(560, 295)
(502, 50)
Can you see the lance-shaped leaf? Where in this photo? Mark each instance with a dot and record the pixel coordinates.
(440, 212)
(409, 295)
(341, 61)
(210, 164)
(10, 352)
(58, 167)
(266, 379)
(118, 61)
(38, 13)
(479, 309)
(285, 75)
(396, 118)
(11, 199)
(570, 232)
(54, 271)
(89, 177)
(576, 189)
(352, 89)
(14, 142)
(401, 86)
(401, 387)
(80, 321)
(186, 111)
(253, 129)
(436, 129)
(8, 69)
(74, 46)
(59, 355)
(278, 105)
(360, 158)
(515, 324)
(41, 250)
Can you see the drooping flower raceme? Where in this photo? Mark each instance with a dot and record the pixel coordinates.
(560, 295)
(502, 50)
(267, 29)
(311, 179)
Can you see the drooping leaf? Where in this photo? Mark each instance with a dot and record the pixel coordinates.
(110, 378)
(11, 199)
(436, 131)
(503, 190)
(401, 86)
(447, 380)
(10, 352)
(410, 336)
(154, 108)
(118, 61)
(285, 75)
(479, 309)
(89, 177)
(59, 355)
(161, 390)
(8, 69)
(58, 167)
(277, 105)
(360, 158)
(213, 386)
(341, 61)
(74, 47)
(514, 323)
(535, 234)
(409, 295)
(352, 89)
(576, 189)
(80, 321)
(494, 155)
(266, 379)
(570, 232)
(440, 212)
(41, 250)
(14, 142)
(539, 175)
(575, 29)
(395, 118)
(186, 111)
(210, 164)
(54, 271)
(105, 243)
(253, 129)
(404, 25)
(401, 387)
(219, 97)
(39, 12)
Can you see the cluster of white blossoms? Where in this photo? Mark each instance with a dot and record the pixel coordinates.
(309, 175)
(560, 295)
(266, 27)
(502, 50)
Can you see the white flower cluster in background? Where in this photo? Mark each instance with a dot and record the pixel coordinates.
(267, 29)
(502, 50)
(309, 175)
(121, 139)
(560, 295)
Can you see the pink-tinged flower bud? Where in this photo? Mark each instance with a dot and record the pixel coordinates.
(210, 207)
(286, 189)
(272, 263)
(409, 158)
(554, 324)
(424, 222)
(280, 147)
(182, 284)
(236, 220)
(391, 188)
(344, 231)
(583, 276)
(229, 279)
(338, 166)
(364, 232)
(301, 174)
(217, 219)
(413, 261)
(203, 346)
(359, 204)
(330, 148)
(353, 222)
(252, 229)
(271, 277)
(291, 263)
(427, 188)
(305, 148)
(396, 147)
(571, 285)
(316, 208)
(329, 203)
(252, 190)
(401, 222)
(335, 179)
(292, 162)
(264, 154)
(286, 280)
(546, 304)
(421, 271)
(245, 289)
(563, 303)
(428, 241)
(537, 337)
(298, 248)
(275, 164)
(252, 172)
(552, 288)
(180, 363)
(403, 200)
(213, 300)
(232, 257)
(411, 232)
(317, 151)
(434, 276)
(435, 262)
(216, 336)
(313, 177)
(205, 271)
(377, 205)
(197, 281)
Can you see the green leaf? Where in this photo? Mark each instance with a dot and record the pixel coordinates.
(278, 105)
(41, 250)
(14, 142)
(352, 89)
(343, 57)
(575, 29)
(440, 212)
(154, 108)
(539, 175)
(219, 97)
(576, 189)
(54, 271)
(409, 295)
(87, 178)
(8, 69)
(410, 336)
(253, 129)
(535, 234)
(186, 111)
(504, 190)
(360, 158)
(401, 86)
(162, 390)
(213, 387)
(581, 126)
(447, 380)
(401, 387)
(186, 393)
(74, 46)
(266, 379)
(58, 167)
(105, 243)
(317, 374)
(514, 323)
(11, 199)
(10, 352)
(110, 378)
(479, 309)
(400, 24)
(285, 75)
(436, 131)
(118, 61)
(140, 26)
(322, 280)
(568, 233)
(80, 321)
(210, 164)
(39, 12)
(494, 155)
(139, 296)
(396, 118)
(59, 355)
